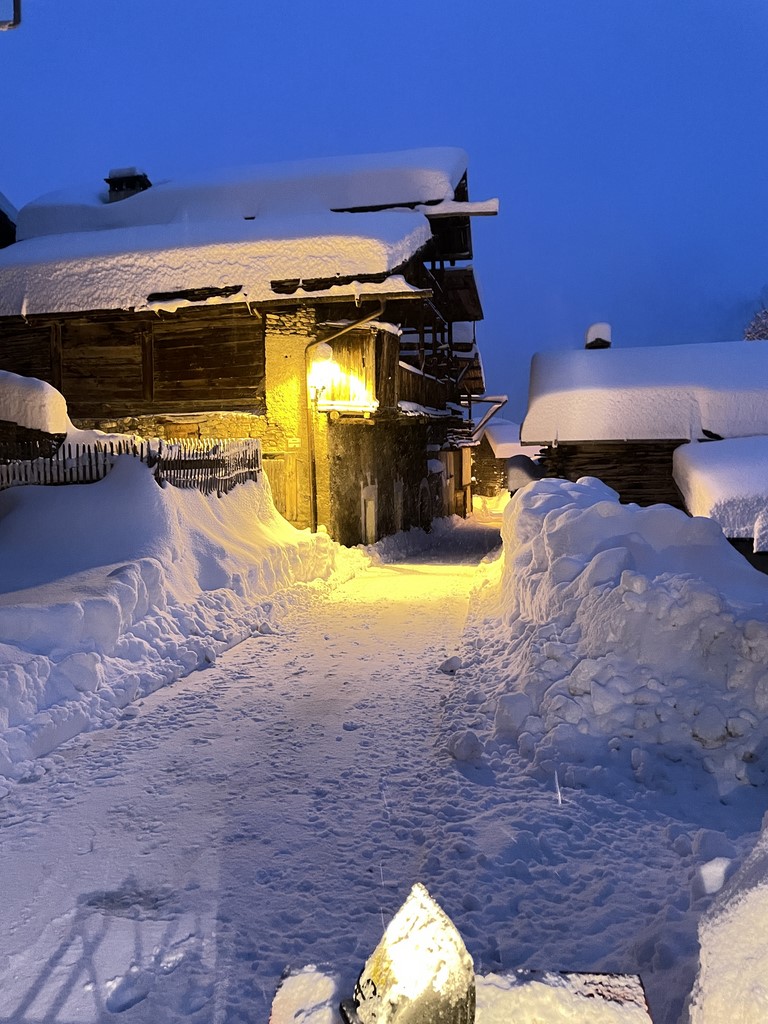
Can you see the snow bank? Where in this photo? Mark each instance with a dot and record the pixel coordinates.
(112, 590)
(666, 391)
(32, 403)
(732, 983)
(727, 481)
(621, 633)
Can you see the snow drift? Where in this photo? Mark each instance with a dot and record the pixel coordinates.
(112, 590)
(625, 633)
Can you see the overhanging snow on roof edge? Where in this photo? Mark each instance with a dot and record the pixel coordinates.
(120, 269)
(656, 392)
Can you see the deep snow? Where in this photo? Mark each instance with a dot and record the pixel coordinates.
(574, 794)
(664, 391)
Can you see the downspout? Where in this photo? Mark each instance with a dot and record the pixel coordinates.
(310, 411)
(498, 402)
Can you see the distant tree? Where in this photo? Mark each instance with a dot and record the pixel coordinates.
(757, 328)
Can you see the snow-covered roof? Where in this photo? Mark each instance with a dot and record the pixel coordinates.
(249, 227)
(120, 268)
(665, 391)
(504, 438)
(728, 482)
(301, 186)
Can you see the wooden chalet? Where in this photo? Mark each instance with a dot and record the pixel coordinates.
(620, 414)
(311, 305)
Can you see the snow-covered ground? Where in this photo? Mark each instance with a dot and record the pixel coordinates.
(574, 794)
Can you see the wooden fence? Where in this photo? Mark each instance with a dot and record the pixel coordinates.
(208, 465)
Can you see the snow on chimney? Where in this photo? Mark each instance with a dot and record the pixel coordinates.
(598, 336)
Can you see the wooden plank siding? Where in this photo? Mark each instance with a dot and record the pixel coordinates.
(133, 364)
(27, 349)
(420, 388)
(641, 471)
(355, 355)
(387, 357)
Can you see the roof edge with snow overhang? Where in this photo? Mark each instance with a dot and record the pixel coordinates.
(652, 393)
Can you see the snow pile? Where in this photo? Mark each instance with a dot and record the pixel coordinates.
(32, 403)
(112, 590)
(727, 481)
(620, 631)
(732, 982)
(522, 997)
(667, 391)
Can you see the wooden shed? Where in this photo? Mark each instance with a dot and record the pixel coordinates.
(619, 414)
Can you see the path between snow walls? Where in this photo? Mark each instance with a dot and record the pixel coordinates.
(266, 812)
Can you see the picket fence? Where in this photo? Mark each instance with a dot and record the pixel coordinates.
(208, 465)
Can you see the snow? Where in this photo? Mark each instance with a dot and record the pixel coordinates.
(451, 208)
(504, 438)
(731, 984)
(32, 403)
(651, 635)
(665, 391)
(727, 481)
(240, 752)
(122, 267)
(121, 587)
(265, 190)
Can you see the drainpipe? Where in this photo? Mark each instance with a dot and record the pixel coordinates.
(497, 402)
(310, 411)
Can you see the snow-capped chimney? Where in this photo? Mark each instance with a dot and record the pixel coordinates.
(598, 336)
(126, 181)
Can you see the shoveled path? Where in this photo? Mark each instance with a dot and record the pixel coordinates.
(270, 811)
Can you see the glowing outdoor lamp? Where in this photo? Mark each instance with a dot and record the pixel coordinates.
(322, 370)
(420, 971)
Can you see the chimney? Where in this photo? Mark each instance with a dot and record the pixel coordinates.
(598, 336)
(126, 181)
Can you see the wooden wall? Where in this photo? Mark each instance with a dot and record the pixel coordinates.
(108, 364)
(641, 471)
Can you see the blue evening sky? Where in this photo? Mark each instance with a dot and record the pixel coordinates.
(626, 139)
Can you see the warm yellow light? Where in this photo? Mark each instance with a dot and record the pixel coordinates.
(331, 388)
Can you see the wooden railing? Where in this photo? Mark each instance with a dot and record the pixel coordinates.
(208, 465)
(420, 388)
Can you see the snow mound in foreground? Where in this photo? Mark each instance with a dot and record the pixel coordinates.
(731, 983)
(637, 626)
(112, 590)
